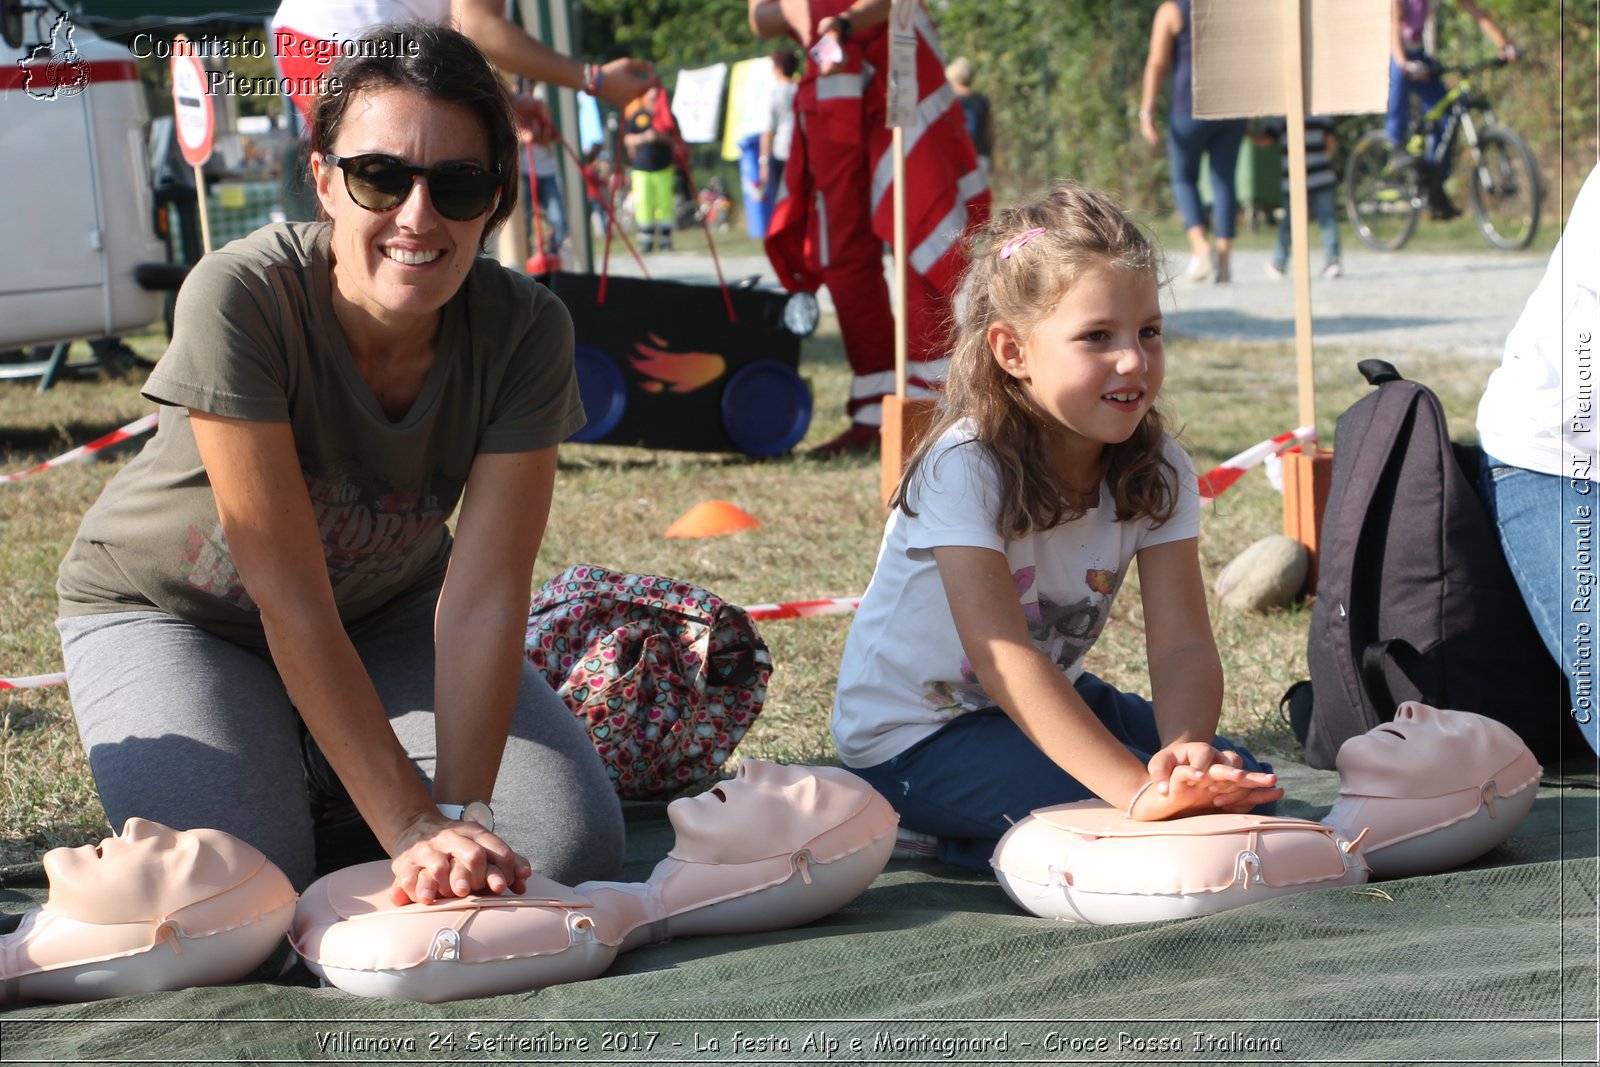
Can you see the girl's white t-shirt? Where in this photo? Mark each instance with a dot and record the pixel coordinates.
(904, 673)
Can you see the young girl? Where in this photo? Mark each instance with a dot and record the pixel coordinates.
(962, 695)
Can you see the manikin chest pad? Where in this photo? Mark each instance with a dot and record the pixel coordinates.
(150, 909)
(1430, 791)
(774, 847)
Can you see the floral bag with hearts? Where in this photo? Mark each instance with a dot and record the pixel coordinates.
(666, 676)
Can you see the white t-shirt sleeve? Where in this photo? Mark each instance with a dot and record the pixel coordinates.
(956, 498)
(1185, 521)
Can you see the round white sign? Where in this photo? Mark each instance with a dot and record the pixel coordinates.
(194, 120)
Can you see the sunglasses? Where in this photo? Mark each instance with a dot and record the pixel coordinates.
(459, 191)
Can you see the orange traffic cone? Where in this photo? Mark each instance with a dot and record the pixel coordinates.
(713, 518)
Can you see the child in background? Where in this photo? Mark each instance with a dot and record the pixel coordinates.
(1321, 185)
(962, 695)
(650, 152)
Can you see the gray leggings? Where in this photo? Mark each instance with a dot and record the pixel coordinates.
(189, 729)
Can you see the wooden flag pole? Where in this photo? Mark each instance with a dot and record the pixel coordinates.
(899, 263)
(1334, 60)
(1299, 228)
(1307, 471)
(903, 418)
(205, 216)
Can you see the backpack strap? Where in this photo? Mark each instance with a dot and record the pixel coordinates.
(1378, 371)
(1375, 659)
(1343, 613)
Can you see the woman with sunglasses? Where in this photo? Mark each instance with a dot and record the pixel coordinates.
(267, 626)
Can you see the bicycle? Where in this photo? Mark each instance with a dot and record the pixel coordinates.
(1386, 190)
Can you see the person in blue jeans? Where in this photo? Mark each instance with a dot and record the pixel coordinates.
(1321, 184)
(1413, 74)
(1188, 139)
(1540, 430)
(552, 223)
(963, 696)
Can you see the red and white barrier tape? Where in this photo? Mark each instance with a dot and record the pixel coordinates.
(37, 681)
(1228, 472)
(1232, 469)
(133, 429)
(805, 609)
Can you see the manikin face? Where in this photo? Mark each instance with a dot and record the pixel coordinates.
(1095, 364)
(145, 873)
(767, 810)
(1426, 751)
(401, 266)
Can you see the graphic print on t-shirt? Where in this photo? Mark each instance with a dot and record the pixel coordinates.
(211, 568)
(369, 530)
(1064, 632)
(368, 527)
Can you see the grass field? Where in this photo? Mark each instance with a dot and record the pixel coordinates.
(821, 522)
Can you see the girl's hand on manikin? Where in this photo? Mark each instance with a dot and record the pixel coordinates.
(1193, 778)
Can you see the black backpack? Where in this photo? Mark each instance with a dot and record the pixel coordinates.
(1414, 600)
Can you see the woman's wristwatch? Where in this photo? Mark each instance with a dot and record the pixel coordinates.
(475, 811)
(843, 27)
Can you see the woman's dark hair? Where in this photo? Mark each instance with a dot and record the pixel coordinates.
(438, 63)
(785, 61)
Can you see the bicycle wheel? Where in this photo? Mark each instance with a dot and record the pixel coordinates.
(1504, 188)
(1382, 199)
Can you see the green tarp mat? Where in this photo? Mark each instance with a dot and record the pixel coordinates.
(1494, 963)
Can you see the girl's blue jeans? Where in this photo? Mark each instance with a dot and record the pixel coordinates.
(1548, 529)
(967, 783)
(1190, 138)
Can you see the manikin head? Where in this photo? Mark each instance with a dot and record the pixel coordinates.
(768, 809)
(147, 873)
(150, 909)
(1426, 752)
(1432, 789)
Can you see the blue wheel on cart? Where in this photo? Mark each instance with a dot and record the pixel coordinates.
(766, 408)
(603, 390)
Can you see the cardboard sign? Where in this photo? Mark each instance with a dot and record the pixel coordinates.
(1239, 47)
(697, 102)
(195, 122)
(903, 89)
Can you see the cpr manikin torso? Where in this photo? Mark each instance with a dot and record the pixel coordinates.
(774, 847)
(1429, 791)
(150, 909)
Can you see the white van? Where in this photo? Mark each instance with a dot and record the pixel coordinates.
(76, 213)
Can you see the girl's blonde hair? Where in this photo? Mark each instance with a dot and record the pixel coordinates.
(1079, 228)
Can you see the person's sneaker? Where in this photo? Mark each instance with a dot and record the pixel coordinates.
(1224, 274)
(1199, 269)
(1275, 271)
(912, 845)
(1332, 270)
(858, 438)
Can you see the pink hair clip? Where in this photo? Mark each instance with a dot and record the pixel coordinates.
(1018, 241)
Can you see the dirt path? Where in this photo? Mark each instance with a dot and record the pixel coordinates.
(1386, 303)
